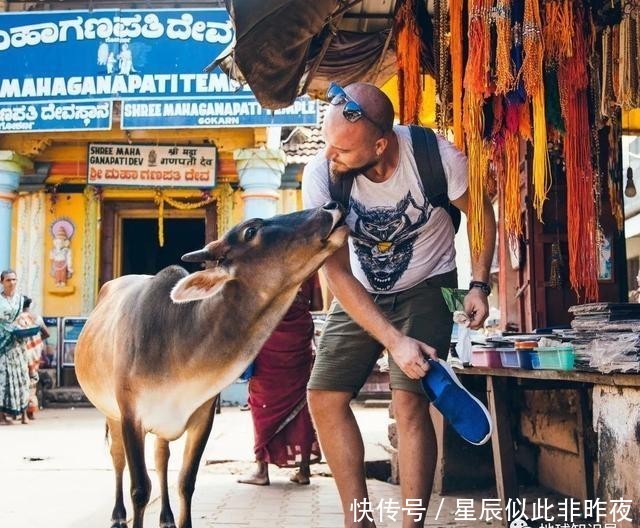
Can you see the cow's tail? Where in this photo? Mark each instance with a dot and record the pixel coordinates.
(106, 432)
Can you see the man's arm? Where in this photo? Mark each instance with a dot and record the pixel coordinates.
(475, 303)
(408, 353)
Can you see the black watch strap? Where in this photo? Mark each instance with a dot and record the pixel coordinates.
(481, 286)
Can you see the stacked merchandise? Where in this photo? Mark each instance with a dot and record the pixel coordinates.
(606, 336)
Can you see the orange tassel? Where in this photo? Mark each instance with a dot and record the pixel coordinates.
(408, 59)
(511, 188)
(477, 168)
(533, 82)
(476, 84)
(513, 218)
(505, 78)
(525, 122)
(456, 51)
(581, 207)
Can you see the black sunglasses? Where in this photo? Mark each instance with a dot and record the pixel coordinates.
(352, 111)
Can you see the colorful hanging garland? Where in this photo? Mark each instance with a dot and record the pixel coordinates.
(477, 86)
(533, 82)
(457, 55)
(581, 217)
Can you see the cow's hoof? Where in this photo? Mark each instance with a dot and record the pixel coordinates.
(118, 524)
(168, 525)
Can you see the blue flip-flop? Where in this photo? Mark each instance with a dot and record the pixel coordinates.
(466, 414)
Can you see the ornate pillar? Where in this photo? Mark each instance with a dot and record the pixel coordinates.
(12, 166)
(260, 172)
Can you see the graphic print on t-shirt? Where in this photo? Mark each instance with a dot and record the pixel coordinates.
(383, 238)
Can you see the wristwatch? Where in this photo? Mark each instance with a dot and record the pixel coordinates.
(486, 289)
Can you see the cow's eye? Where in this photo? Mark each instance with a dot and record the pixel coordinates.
(249, 233)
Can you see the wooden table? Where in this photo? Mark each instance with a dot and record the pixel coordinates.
(498, 380)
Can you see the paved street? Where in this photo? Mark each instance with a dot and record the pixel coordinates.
(56, 473)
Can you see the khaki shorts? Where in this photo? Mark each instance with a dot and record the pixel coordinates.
(347, 354)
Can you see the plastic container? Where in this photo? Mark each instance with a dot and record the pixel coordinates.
(557, 358)
(485, 357)
(509, 357)
(527, 354)
(535, 359)
(526, 359)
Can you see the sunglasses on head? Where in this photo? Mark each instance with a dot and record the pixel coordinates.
(351, 111)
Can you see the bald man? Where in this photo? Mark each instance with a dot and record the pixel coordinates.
(386, 284)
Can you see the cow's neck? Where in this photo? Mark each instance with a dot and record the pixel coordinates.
(255, 317)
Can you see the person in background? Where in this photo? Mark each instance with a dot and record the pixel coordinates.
(284, 434)
(32, 347)
(14, 373)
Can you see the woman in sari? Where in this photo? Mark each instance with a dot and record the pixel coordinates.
(284, 434)
(32, 348)
(14, 372)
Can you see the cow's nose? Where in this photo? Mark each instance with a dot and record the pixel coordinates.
(331, 206)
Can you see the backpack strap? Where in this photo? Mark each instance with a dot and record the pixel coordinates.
(340, 189)
(426, 153)
(429, 163)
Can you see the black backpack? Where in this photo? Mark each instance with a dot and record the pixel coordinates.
(434, 181)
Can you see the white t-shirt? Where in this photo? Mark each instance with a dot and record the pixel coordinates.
(397, 238)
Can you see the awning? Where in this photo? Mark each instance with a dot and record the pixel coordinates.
(286, 48)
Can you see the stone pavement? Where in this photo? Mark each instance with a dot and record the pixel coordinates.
(56, 473)
(219, 502)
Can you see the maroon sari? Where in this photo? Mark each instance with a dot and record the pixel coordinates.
(284, 434)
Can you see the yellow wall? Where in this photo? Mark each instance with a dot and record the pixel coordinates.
(65, 301)
(631, 121)
(428, 108)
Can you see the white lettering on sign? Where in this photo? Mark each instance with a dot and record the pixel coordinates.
(107, 85)
(117, 29)
(55, 116)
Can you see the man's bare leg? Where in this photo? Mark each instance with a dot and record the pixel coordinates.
(342, 446)
(417, 450)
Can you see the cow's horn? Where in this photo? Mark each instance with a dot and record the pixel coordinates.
(201, 255)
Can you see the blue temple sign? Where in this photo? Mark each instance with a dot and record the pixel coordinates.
(55, 116)
(79, 59)
(226, 111)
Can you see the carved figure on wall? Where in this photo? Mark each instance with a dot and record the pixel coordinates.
(61, 258)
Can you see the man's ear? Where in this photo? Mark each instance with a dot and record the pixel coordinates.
(199, 285)
(381, 145)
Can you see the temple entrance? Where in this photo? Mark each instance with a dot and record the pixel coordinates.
(141, 252)
(130, 243)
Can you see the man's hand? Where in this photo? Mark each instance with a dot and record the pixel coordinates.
(411, 356)
(477, 307)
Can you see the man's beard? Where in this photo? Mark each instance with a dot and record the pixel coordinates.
(351, 172)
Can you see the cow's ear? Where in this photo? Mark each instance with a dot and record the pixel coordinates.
(213, 251)
(199, 285)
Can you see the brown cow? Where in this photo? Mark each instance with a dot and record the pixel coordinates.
(157, 350)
